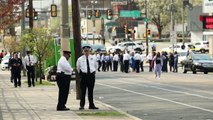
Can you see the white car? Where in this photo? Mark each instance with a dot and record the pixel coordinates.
(5, 62)
(201, 46)
(90, 36)
(129, 46)
(177, 47)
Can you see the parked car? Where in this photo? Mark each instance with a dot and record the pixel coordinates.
(5, 62)
(198, 63)
(177, 47)
(90, 36)
(99, 48)
(201, 46)
(129, 46)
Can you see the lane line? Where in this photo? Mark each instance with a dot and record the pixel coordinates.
(164, 99)
(174, 91)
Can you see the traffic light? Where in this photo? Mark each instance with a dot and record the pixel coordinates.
(35, 16)
(27, 14)
(53, 10)
(109, 14)
(125, 29)
(148, 32)
(97, 13)
(89, 14)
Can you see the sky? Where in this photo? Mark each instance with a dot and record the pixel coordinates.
(38, 4)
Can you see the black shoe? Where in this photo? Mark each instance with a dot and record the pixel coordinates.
(81, 108)
(63, 109)
(93, 107)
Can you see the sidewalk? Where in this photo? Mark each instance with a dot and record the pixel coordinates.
(39, 103)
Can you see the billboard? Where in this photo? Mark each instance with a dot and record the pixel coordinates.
(207, 6)
(207, 22)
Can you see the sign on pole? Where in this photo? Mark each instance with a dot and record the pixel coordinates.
(119, 3)
(207, 6)
(130, 13)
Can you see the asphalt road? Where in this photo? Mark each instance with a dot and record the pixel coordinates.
(176, 96)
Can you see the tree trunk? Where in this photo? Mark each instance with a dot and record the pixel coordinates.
(40, 70)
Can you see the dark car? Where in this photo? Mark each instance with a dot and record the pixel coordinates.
(198, 63)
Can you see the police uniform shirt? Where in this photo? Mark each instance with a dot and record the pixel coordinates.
(137, 56)
(82, 64)
(64, 66)
(126, 56)
(115, 57)
(142, 57)
(98, 57)
(28, 59)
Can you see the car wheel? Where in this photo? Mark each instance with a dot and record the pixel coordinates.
(205, 72)
(194, 70)
(202, 51)
(184, 69)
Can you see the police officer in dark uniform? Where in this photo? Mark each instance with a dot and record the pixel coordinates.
(63, 77)
(16, 65)
(86, 66)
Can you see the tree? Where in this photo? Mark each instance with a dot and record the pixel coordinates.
(9, 14)
(38, 40)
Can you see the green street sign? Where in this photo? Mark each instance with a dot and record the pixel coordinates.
(130, 13)
(146, 19)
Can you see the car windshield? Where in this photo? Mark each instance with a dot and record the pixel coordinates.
(182, 53)
(202, 57)
(98, 47)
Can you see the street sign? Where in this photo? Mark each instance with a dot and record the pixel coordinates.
(119, 3)
(207, 6)
(130, 13)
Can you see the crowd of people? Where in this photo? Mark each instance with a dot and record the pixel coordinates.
(134, 61)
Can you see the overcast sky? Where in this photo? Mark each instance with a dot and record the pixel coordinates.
(38, 4)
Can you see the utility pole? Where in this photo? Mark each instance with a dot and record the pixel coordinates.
(77, 39)
(146, 16)
(172, 34)
(64, 29)
(31, 14)
(183, 18)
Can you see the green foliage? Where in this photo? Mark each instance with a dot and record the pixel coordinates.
(44, 83)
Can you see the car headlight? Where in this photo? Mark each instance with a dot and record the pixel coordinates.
(197, 63)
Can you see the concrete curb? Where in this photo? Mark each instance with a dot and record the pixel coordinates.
(120, 111)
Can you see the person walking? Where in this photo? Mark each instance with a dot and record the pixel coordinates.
(149, 58)
(158, 63)
(175, 62)
(63, 77)
(98, 58)
(115, 62)
(171, 62)
(16, 65)
(86, 67)
(126, 58)
(143, 57)
(30, 61)
(137, 59)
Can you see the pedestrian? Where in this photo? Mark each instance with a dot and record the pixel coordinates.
(149, 58)
(16, 65)
(121, 61)
(1, 55)
(30, 61)
(158, 63)
(63, 77)
(137, 58)
(103, 62)
(86, 67)
(9, 68)
(132, 61)
(115, 62)
(171, 62)
(143, 57)
(165, 61)
(175, 62)
(126, 58)
(98, 58)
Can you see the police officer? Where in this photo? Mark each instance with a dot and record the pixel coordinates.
(86, 66)
(16, 65)
(63, 77)
(137, 58)
(126, 58)
(30, 62)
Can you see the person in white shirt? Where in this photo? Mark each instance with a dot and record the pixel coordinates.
(29, 64)
(86, 67)
(126, 58)
(143, 57)
(137, 58)
(98, 57)
(63, 77)
(115, 61)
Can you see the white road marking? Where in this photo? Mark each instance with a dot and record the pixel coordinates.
(164, 99)
(175, 91)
